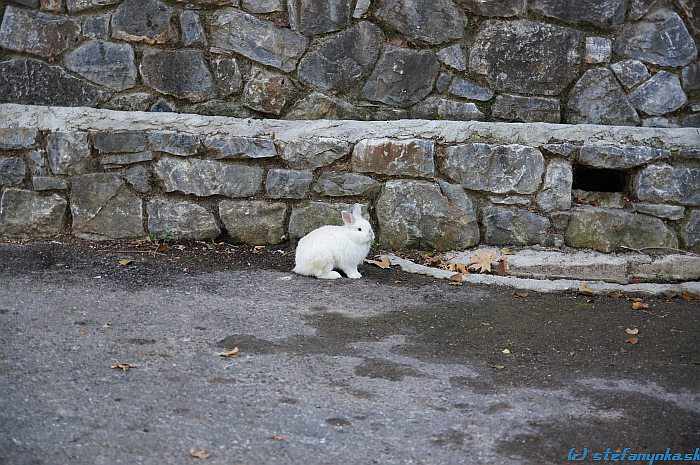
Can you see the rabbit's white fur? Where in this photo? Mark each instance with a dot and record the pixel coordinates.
(335, 247)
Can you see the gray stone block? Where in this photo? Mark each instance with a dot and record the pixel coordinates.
(228, 76)
(660, 39)
(610, 230)
(221, 147)
(320, 106)
(41, 34)
(110, 65)
(665, 183)
(441, 108)
(619, 157)
(461, 87)
(192, 30)
(113, 161)
(659, 95)
(288, 184)
(598, 50)
(30, 215)
(416, 214)
(180, 220)
(75, 6)
(453, 56)
(266, 91)
(47, 183)
(405, 157)
(402, 76)
(314, 153)
(434, 22)
(491, 8)
(37, 163)
(495, 168)
(147, 21)
(194, 82)
(691, 77)
(119, 141)
(96, 27)
(345, 184)
(69, 153)
(174, 143)
(597, 98)
(556, 191)
(103, 208)
(207, 177)
(254, 222)
(669, 212)
(256, 39)
(599, 13)
(262, 6)
(311, 17)
(17, 138)
(692, 231)
(526, 109)
(514, 226)
(134, 101)
(630, 72)
(549, 54)
(138, 177)
(12, 171)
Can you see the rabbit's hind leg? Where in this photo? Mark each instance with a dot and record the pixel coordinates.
(326, 272)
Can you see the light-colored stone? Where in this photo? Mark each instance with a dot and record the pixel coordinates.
(598, 50)
(207, 177)
(12, 171)
(345, 184)
(597, 98)
(174, 143)
(69, 153)
(556, 191)
(514, 226)
(310, 154)
(288, 184)
(665, 183)
(659, 95)
(47, 183)
(619, 157)
(406, 157)
(29, 215)
(118, 160)
(239, 147)
(180, 220)
(254, 222)
(669, 212)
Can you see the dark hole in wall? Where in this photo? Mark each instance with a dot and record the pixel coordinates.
(599, 180)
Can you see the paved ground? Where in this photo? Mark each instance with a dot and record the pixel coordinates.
(390, 369)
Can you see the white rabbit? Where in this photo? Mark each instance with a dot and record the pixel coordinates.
(335, 247)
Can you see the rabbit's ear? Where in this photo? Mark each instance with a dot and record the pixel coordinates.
(357, 210)
(347, 217)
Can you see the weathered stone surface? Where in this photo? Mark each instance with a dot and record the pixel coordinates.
(669, 212)
(491, 8)
(600, 199)
(312, 17)
(659, 95)
(565, 149)
(12, 171)
(342, 184)
(259, 40)
(598, 50)
(556, 192)
(319, 106)
(262, 6)
(41, 34)
(288, 184)
(223, 108)
(619, 157)
(560, 220)
(29, 215)
(47, 183)
(525, 56)
(175, 143)
(691, 121)
(227, 73)
(239, 147)
(119, 141)
(107, 64)
(180, 220)
(607, 230)
(510, 200)
(75, 6)
(433, 22)
(661, 39)
(17, 138)
(134, 101)
(417, 214)
(443, 81)
(461, 87)
(660, 122)
(122, 159)
(361, 7)
(34, 82)
(691, 76)
(37, 163)
(665, 183)
(402, 77)
(207, 177)
(180, 73)
(630, 72)
(192, 30)
(138, 177)
(343, 60)
(406, 157)
(96, 27)
(597, 98)
(148, 21)
(103, 208)
(526, 109)
(314, 153)
(267, 91)
(69, 153)
(453, 56)
(600, 13)
(514, 226)
(692, 231)
(309, 216)
(495, 168)
(639, 8)
(441, 108)
(253, 222)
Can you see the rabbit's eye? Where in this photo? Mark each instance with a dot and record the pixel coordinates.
(359, 229)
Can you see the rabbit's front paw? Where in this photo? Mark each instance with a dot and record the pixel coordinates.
(353, 274)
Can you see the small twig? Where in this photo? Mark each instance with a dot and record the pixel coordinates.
(134, 251)
(642, 249)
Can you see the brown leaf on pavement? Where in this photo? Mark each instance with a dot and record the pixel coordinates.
(200, 454)
(123, 366)
(384, 263)
(481, 261)
(585, 289)
(235, 352)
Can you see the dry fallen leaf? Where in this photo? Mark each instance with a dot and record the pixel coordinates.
(503, 267)
(498, 367)
(123, 366)
(632, 331)
(481, 261)
(585, 289)
(162, 248)
(235, 352)
(106, 325)
(506, 251)
(595, 202)
(277, 437)
(638, 305)
(259, 247)
(200, 454)
(505, 351)
(125, 261)
(634, 340)
(616, 294)
(458, 267)
(456, 283)
(522, 294)
(687, 295)
(384, 263)
(580, 198)
(433, 260)
(456, 277)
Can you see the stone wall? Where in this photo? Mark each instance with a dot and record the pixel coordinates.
(615, 62)
(101, 174)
